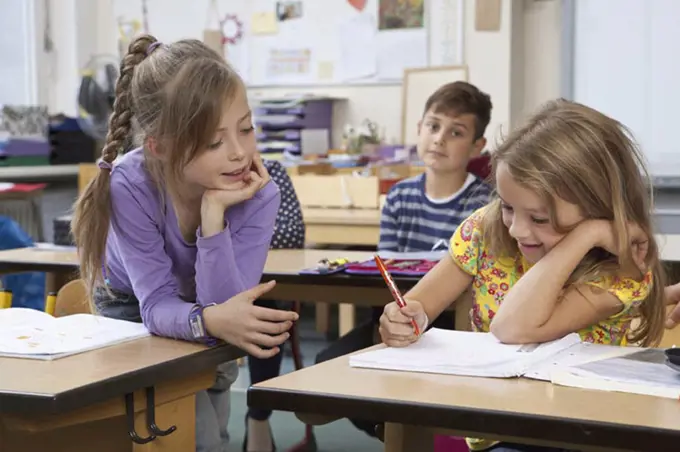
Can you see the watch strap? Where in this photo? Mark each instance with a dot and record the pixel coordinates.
(197, 325)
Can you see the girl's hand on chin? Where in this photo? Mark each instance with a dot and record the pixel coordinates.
(240, 191)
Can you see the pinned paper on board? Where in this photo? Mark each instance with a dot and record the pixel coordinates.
(325, 70)
(288, 64)
(358, 47)
(399, 50)
(287, 10)
(264, 23)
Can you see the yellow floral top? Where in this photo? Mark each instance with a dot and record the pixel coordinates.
(493, 276)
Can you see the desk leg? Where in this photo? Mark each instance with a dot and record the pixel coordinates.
(323, 313)
(346, 318)
(408, 438)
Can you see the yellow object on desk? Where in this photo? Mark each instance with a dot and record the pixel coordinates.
(50, 303)
(5, 298)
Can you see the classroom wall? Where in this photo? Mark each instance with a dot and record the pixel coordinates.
(519, 66)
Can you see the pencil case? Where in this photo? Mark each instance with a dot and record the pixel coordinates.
(326, 267)
(397, 267)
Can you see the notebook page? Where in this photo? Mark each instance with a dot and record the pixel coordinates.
(17, 317)
(67, 335)
(461, 353)
(642, 372)
(576, 354)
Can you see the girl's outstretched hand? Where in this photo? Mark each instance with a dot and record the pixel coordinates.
(258, 331)
(395, 323)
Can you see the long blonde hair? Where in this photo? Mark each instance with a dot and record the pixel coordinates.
(578, 154)
(171, 93)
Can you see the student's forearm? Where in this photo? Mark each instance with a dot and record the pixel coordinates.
(212, 219)
(440, 287)
(530, 303)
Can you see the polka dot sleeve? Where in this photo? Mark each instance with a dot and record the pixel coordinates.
(289, 231)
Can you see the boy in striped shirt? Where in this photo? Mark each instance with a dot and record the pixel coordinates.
(422, 213)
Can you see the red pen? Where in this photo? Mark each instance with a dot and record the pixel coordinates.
(393, 288)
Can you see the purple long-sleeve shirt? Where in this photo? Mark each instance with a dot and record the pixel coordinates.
(147, 256)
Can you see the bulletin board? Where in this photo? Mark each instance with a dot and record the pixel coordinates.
(315, 42)
(419, 84)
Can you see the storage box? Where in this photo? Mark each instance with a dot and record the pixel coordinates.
(337, 191)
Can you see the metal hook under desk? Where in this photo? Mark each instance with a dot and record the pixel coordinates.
(151, 414)
(150, 418)
(130, 414)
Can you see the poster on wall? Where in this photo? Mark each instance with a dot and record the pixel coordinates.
(289, 65)
(401, 14)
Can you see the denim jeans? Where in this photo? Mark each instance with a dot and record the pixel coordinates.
(212, 405)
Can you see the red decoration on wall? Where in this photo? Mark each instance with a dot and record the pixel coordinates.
(231, 21)
(358, 4)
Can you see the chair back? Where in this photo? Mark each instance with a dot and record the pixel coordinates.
(72, 299)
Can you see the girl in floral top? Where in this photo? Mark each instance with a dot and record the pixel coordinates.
(566, 247)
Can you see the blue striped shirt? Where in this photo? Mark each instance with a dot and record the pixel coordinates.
(411, 221)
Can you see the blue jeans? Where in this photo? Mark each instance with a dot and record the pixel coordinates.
(212, 405)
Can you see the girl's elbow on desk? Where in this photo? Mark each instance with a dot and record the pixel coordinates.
(509, 332)
(505, 332)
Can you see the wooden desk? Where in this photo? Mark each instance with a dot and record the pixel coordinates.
(282, 265)
(414, 406)
(87, 402)
(342, 226)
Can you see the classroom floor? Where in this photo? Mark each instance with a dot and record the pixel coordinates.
(288, 431)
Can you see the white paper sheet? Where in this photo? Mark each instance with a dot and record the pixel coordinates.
(358, 47)
(399, 50)
(239, 58)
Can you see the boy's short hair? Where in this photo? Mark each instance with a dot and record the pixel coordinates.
(460, 98)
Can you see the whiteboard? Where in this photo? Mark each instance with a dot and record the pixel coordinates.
(626, 65)
(321, 30)
(419, 84)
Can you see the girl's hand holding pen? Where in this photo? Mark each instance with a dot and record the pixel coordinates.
(396, 329)
(254, 329)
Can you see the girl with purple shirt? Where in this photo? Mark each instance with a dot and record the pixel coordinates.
(175, 234)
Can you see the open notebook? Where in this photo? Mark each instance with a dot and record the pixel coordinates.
(483, 355)
(27, 333)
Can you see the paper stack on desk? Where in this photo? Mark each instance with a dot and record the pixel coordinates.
(28, 333)
(483, 355)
